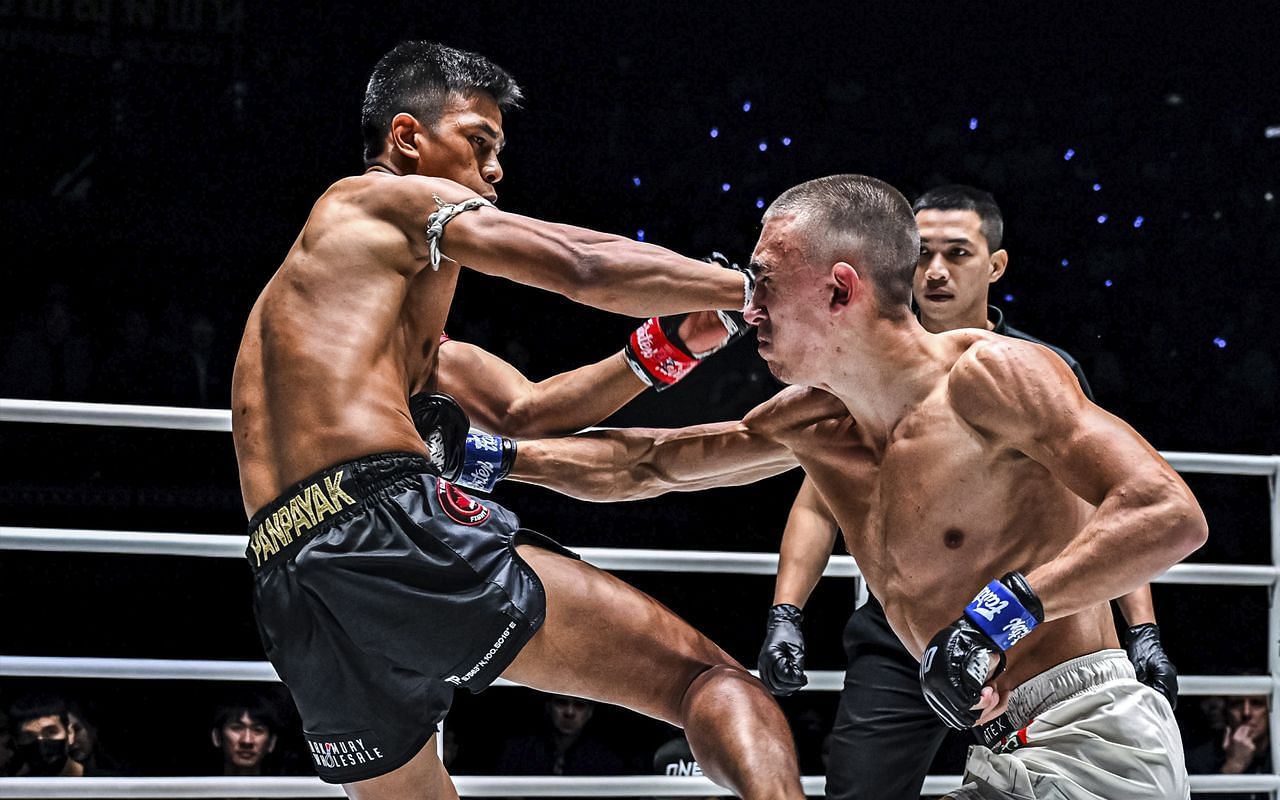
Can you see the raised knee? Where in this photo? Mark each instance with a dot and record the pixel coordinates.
(719, 682)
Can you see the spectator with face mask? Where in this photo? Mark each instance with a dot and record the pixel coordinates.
(42, 737)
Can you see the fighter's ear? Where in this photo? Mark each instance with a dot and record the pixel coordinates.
(845, 285)
(403, 136)
(999, 262)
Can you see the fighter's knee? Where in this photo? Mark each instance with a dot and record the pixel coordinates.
(722, 681)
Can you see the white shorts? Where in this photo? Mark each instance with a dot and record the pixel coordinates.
(1083, 730)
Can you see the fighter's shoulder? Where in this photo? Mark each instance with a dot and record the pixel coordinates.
(405, 199)
(794, 410)
(994, 374)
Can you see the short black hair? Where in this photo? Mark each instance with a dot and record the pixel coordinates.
(959, 197)
(35, 706)
(417, 78)
(259, 708)
(863, 214)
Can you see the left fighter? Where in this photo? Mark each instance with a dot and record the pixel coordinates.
(380, 588)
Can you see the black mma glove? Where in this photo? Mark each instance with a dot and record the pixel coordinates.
(1142, 643)
(781, 660)
(659, 356)
(954, 667)
(443, 425)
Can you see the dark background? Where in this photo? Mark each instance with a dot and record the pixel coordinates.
(159, 158)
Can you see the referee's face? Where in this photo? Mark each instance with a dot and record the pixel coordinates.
(955, 270)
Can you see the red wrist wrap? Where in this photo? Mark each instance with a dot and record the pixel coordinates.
(664, 362)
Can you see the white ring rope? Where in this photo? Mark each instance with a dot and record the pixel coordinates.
(619, 559)
(210, 419)
(115, 415)
(207, 670)
(488, 786)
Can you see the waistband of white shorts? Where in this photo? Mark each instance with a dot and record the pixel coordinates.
(1066, 680)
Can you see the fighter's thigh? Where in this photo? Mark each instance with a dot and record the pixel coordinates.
(422, 777)
(607, 640)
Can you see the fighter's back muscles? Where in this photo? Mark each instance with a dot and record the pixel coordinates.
(324, 352)
(1146, 518)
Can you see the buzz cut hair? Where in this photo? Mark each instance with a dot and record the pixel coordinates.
(959, 197)
(417, 78)
(862, 220)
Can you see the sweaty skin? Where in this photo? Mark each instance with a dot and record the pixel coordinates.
(500, 399)
(951, 286)
(976, 455)
(350, 324)
(355, 310)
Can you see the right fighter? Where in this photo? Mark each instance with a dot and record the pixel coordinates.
(379, 587)
(992, 508)
(885, 736)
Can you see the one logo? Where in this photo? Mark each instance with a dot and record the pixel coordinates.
(461, 508)
(926, 662)
(680, 767)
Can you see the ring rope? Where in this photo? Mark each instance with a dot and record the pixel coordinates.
(211, 419)
(115, 415)
(489, 786)
(618, 559)
(12, 666)
(214, 545)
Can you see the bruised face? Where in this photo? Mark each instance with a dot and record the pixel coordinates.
(789, 305)
(464, 144)
(245, 743)
(955, 269)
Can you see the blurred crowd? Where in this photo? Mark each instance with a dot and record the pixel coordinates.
(253, 731)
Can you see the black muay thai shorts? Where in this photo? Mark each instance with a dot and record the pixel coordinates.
(379, 589)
